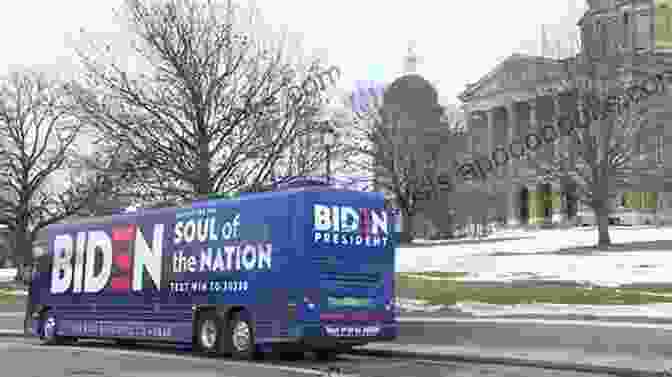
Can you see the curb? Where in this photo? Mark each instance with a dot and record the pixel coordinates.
(451, 317)
(6, 333)
(513, 361)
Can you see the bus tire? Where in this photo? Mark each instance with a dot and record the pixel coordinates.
(241, 336)
(209, 333)
(326, 355)
(48, 328)
(292, 355)
(125, 342)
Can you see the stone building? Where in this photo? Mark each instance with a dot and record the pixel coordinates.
(512, 100)
(411, 93)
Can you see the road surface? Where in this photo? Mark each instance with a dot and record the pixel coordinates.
(647, 343)
(105, 360)
(654, 340)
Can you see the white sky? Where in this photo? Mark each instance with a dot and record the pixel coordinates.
(459, 41)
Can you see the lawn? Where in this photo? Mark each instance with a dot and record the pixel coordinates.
(438, 274)
(451, 291)
(8, 297)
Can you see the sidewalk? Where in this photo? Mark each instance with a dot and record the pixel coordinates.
(565, 359)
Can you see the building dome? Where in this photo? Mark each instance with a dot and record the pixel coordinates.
(411, 91)
(601, 4)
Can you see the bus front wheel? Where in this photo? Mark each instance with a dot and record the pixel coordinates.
(48, 329)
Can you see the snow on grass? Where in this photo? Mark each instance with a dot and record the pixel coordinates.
(648, 311)
(530, 258)
(410, 305)
(13, 292)
(7, 274)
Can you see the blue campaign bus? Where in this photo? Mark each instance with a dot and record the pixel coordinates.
(307, 269)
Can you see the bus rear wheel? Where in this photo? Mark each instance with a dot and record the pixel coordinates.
(209, 333)
(241, 337)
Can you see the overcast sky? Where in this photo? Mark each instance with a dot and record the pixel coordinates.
(458, 41)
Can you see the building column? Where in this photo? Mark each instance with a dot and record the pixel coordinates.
(558, 203)
(513, 194)
(560, 145)
(513, 199)
(663, 208)
(533, 124)
(490, 114)
(491, 130)
(533, 204)
(513, 131)
(470, 131)
(544, 199)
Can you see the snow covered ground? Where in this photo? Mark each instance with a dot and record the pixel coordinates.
(651, 311)
(7, 274)
(532, 258)
(408, 305)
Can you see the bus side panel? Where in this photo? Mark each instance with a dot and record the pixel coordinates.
(110, 280)
(269, 221)
(246, 260)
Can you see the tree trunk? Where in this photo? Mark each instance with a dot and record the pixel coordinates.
(23, 252)
(204, 185)
(406, 235)
(602, 214)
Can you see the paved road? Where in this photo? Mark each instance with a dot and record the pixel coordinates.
(641, 341)
(545, 335)
(90, 361)
(654, 340)
(18, 306)
(102, 360)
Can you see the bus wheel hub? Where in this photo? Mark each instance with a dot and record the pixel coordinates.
(241, 336)
(209, 334)
(49, 327)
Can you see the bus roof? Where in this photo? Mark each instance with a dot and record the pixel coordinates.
(202, 204)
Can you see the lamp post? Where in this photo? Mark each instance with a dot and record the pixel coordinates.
(329, 141)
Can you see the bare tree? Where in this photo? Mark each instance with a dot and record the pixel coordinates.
(614, 95)
(606, 129)
(216, 112)
(39, 147)
(403, 162)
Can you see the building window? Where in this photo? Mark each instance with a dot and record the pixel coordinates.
(627, 31)
(642, 31)
(660, 147)
(607, 42)
(597, 43)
